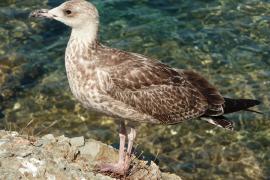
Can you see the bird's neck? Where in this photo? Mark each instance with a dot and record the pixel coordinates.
(82, 46)
(79, 56)
(86, 36)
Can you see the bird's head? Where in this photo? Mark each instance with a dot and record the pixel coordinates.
(73, 13)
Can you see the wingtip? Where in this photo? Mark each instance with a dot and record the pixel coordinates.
(254, 102)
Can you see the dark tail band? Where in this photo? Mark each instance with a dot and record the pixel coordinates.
(230, 106)
(234, 105)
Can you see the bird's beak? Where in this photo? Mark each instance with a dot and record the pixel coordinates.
(42, 13)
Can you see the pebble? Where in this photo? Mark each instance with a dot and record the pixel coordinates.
(90, 148)
(24, 153)
(38, 143)
(62, 139)
(77, 141)
(14, 133)
(3, 141)
(5, 154)
(49, 137)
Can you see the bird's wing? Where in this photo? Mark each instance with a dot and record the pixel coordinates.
(214, 99)
(155, 89)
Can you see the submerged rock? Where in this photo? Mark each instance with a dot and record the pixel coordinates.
(60, 157)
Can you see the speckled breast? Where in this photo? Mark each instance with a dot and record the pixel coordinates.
(83, 84)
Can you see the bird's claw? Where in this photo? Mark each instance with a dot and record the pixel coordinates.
(119, 168)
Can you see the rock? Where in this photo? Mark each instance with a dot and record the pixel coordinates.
(46, 139)
(49, 137)
(3, 141)
(170, 176)
(90, 148)
(60, 157)
(77, 141)
(4, 154)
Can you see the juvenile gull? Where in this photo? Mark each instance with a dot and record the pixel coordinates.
(130, 86)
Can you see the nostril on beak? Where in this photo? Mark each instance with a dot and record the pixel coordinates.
(41, 13)
(43, 10)
(37, 13)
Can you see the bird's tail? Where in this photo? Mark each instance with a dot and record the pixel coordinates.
(231, 105)
(234, 105)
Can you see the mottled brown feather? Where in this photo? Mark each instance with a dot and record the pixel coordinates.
(214, 98)
(155, 89)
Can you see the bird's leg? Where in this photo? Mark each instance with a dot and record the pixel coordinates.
(131, 138)
(121, 167)
(122, 137)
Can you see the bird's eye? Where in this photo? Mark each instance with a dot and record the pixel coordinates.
(67, 12)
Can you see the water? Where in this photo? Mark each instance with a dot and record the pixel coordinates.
(228, 41)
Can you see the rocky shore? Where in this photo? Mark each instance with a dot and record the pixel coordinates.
(54, 158)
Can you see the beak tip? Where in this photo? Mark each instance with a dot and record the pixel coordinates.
(40, 13)
(32, 14)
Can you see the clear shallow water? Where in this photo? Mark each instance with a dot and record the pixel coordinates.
(226, 41)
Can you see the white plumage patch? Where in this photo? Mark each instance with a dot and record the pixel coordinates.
(222, 122)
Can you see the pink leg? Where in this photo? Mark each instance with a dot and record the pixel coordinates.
(122, 137)
(121, 167)
(131, 138)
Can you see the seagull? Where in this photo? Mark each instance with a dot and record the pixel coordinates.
(132, 87)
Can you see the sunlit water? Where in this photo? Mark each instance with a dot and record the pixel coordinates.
(228, 41)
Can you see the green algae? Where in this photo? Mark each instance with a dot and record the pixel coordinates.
(226, 41)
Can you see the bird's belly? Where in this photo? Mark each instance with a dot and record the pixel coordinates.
(90, 99)
(85, 91)
(92, 96)
(95, 100)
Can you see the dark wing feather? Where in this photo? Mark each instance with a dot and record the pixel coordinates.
(155, 89)
(214, 98)
(234, 105)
